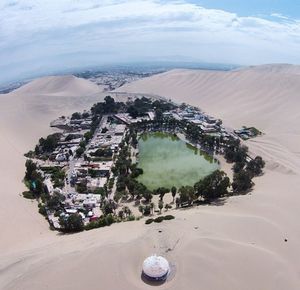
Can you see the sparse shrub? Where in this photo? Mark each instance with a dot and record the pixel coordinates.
(159, 219)
(169, 217)
(42, 209)
(91, 225)
(28, 194)
(149, 221)
(131, 218)
(109, 219)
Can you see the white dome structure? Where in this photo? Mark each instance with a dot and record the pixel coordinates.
(156, 268)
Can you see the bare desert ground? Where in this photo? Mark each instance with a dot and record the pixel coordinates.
(249, 242)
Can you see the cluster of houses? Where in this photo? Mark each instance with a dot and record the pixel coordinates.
(87, 205)
(67, 146)
(93, 174)
(109, 134)
(85, 175)
(69, 124)
(209, 125)
(247, 133)
(127, 119)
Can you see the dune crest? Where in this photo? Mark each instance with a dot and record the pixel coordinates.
(67, 85)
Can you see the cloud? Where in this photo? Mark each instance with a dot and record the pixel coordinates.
(82, 32)
(280, 16)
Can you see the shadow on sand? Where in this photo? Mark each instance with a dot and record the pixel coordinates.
(170, 277)
(152, 282)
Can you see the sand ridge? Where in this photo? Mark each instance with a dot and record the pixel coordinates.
(66, 85)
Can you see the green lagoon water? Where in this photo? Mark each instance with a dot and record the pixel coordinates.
(168, 161)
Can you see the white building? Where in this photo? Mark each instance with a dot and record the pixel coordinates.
(156, 268)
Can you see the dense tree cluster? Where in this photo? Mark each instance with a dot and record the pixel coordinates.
(80, 150)
(71, 223)
(76, 116)
(161, 191)
(255, 166)
(126, 173)
(141, 106)
(57, 175)
(234, 152)
(106, 152)
(109, 106)
(48, 145)
(208, 189)
(244, 172)
(244, 167)
(33, 179)
(54, 202)
(186, 195)
(212, 186)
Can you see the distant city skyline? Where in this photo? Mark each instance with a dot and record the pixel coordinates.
(40, 37)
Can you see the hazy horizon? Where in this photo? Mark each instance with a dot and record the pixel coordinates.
(43, 37)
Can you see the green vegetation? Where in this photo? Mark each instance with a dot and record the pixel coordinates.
(107, 107)
(149, 221)
(71, 224)
(70, 137)
(160, 205)
(186, 196)
(212, 186)
(105, 221)
(81, 187)
(242, 181)
(141, 106)
(33, 179)
(166, 165)
(248, 132)
(80, 151)
(159, 219)
(234, 152)
(255, 166)
(169, 217)
(54, 202)
(173, 191)
(28, 194)
(42, 209)
(57, 175)
(244, 169)
(104, 154)
(48, 145)
(145, 210)
(76, 116)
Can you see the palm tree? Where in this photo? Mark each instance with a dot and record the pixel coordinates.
(121, 214)
(173, 190)
(160, 205)
(127, 211)
(152, 207)
(141, 209)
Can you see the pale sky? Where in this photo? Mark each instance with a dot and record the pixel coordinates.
(43, 36)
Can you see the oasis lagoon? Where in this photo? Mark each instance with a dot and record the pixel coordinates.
(168, 161)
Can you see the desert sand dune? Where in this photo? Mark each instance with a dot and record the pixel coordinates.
(25, 116)
(250, 242)
(67, 85)
(266, 97)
